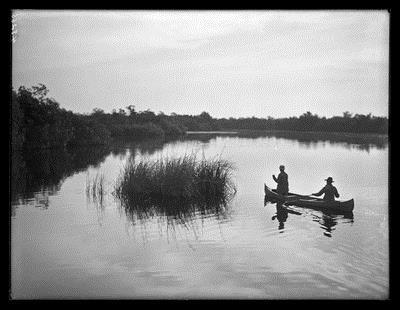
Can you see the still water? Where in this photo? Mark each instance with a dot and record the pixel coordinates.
(65, 244)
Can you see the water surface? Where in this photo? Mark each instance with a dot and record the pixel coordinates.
(65, 244)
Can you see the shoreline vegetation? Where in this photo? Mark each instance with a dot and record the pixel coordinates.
(38, 122)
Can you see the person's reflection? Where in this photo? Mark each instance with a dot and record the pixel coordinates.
(328, 223)
(282, 212)
(281, 215)
(328, 220)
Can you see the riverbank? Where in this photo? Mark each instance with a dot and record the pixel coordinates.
(324, 135)
(38, 122)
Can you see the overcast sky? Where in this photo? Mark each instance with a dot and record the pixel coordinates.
(228, 63)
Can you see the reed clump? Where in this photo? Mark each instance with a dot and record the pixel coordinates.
(185, 179)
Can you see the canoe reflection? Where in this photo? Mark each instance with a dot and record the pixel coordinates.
(327, 220)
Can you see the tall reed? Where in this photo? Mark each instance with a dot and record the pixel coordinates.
(175, 181)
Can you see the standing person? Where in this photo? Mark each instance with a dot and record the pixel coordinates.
(329, 190)
(282, 180)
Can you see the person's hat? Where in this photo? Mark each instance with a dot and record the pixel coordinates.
(329, 179)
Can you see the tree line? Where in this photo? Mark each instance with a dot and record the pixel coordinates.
(38, 121)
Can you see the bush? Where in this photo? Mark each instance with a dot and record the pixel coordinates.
(88, 132)
(147, 130)
(171, 129)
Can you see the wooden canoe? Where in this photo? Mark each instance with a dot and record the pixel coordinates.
(310, 202)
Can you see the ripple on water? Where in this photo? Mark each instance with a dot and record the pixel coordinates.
(240, 251)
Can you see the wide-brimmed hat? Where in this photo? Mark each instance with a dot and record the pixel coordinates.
(329, 179)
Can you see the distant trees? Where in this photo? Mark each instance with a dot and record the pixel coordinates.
(202, 122)
(38, 122)
(44, 123)
(17, 125)
(131, 109)
(306, 122)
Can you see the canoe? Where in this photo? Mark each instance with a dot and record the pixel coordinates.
(310, 202)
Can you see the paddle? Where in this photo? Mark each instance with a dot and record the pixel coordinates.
(308, 197)
(303, 196)
(293, 196)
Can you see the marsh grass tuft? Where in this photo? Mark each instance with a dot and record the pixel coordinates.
(175, 183)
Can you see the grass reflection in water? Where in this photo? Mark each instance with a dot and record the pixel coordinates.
(327, 219)
(177, 190)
